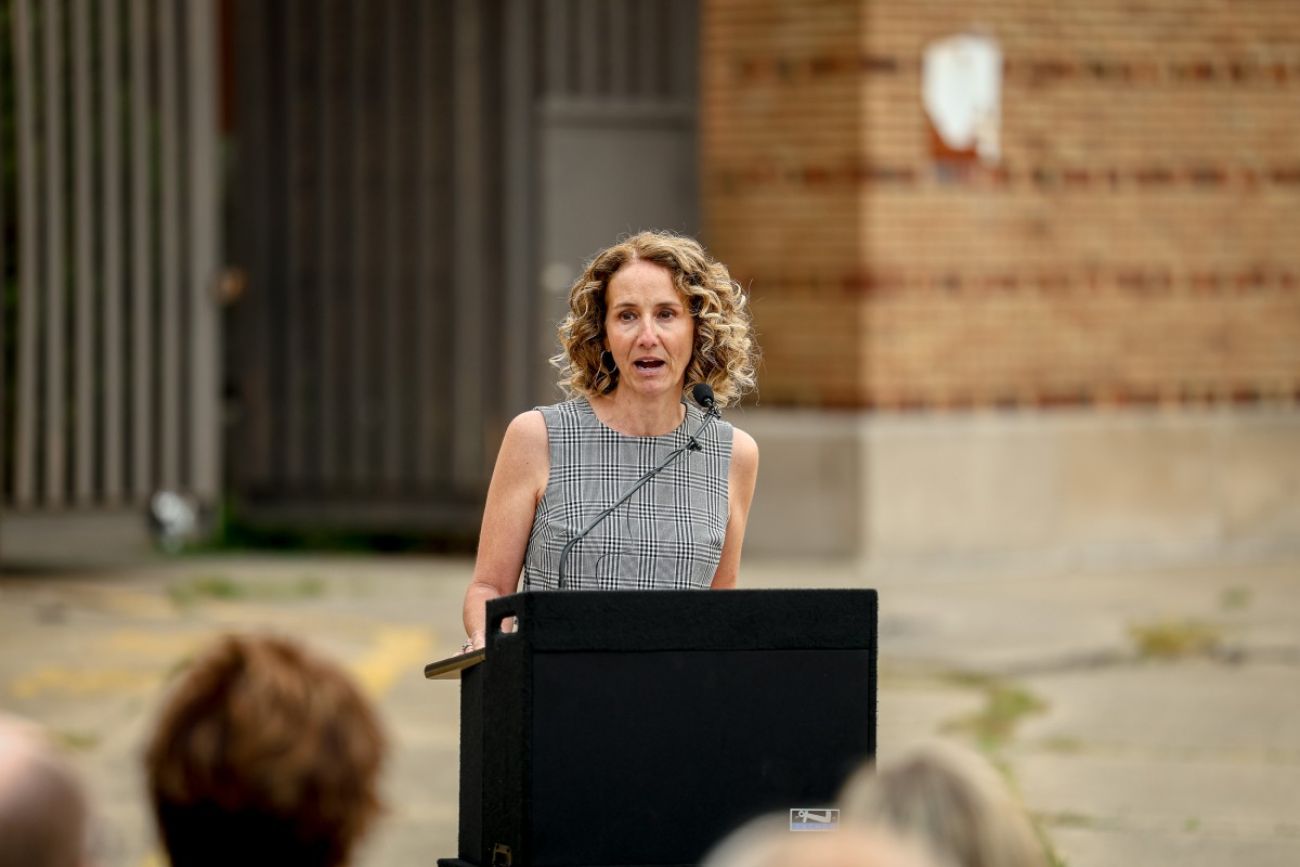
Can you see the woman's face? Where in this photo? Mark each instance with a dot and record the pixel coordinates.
(648, 329)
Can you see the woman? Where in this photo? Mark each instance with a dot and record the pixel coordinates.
(649, 318)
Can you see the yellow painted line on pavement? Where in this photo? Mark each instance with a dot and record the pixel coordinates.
(81, 682)
(160, 649)
(395, 650)
(165, 644)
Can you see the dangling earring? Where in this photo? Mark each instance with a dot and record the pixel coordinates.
(608, 372)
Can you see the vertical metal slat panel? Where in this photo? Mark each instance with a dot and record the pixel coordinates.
(391, 377)
(251, 463)
(5, 364)
(55, 257)
(683, 39)
(648, 50)
(205, 432)
(410, 216)
(28, 290)
(361, 240)
(412, 287)
(84, 312)
(557, 47)
(633, 45)
(272, 346)
(467, 400)
(291, 326)
(425, 426)
(305, 202)
(72, 436)
(619, 39)
(438, 244)
(142, 271)
(517, 208)
(588, 46)
(326, 251)
(169, 307)
(111, 213)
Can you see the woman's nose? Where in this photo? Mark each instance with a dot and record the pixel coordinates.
(646, 335)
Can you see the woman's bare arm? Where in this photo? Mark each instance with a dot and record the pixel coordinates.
(518, 481)
(741, 480)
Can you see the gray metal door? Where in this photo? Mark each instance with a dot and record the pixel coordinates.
(616, 118)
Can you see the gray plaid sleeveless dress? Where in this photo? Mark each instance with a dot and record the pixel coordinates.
(667, 537)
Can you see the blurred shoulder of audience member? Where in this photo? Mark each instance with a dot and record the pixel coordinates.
(949, 798)
(769, 842)
(265, 753)
(43, 810)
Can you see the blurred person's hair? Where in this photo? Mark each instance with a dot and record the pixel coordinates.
(264, 753)
(769, 842)
(43, 811)
(724, 355)
(950, 799)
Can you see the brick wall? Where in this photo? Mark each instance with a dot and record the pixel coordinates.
(772, 135)
(1137, 242)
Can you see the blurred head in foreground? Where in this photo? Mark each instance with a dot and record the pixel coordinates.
(43, 815)
(264, 754)
(768, 842)
(950, 799)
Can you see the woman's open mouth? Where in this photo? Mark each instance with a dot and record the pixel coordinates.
(648, 364)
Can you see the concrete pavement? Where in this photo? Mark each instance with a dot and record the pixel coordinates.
(1147, 717)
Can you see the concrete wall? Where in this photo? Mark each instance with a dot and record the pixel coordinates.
(1063, 486)
(74, 539)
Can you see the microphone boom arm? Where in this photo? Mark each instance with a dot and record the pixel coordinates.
(692, 445)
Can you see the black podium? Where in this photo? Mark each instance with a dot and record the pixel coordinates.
(638, 728)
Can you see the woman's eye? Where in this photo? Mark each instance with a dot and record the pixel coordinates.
(626, 316)
(667, 314)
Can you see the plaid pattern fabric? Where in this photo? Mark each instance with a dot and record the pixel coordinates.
(668, 536)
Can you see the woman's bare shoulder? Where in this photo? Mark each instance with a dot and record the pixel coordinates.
(744, 450)
(528, 428)
(525, 451)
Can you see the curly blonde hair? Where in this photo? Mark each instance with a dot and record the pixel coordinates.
(724, 355)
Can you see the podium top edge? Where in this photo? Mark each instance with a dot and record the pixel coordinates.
(736, 592)
(694, 597)
(674, 619)
(703, 599)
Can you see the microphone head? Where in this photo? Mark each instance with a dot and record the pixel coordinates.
(702, 392)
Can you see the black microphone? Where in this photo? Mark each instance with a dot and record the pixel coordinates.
(703, 395)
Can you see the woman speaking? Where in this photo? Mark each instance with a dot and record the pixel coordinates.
(650, 318)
